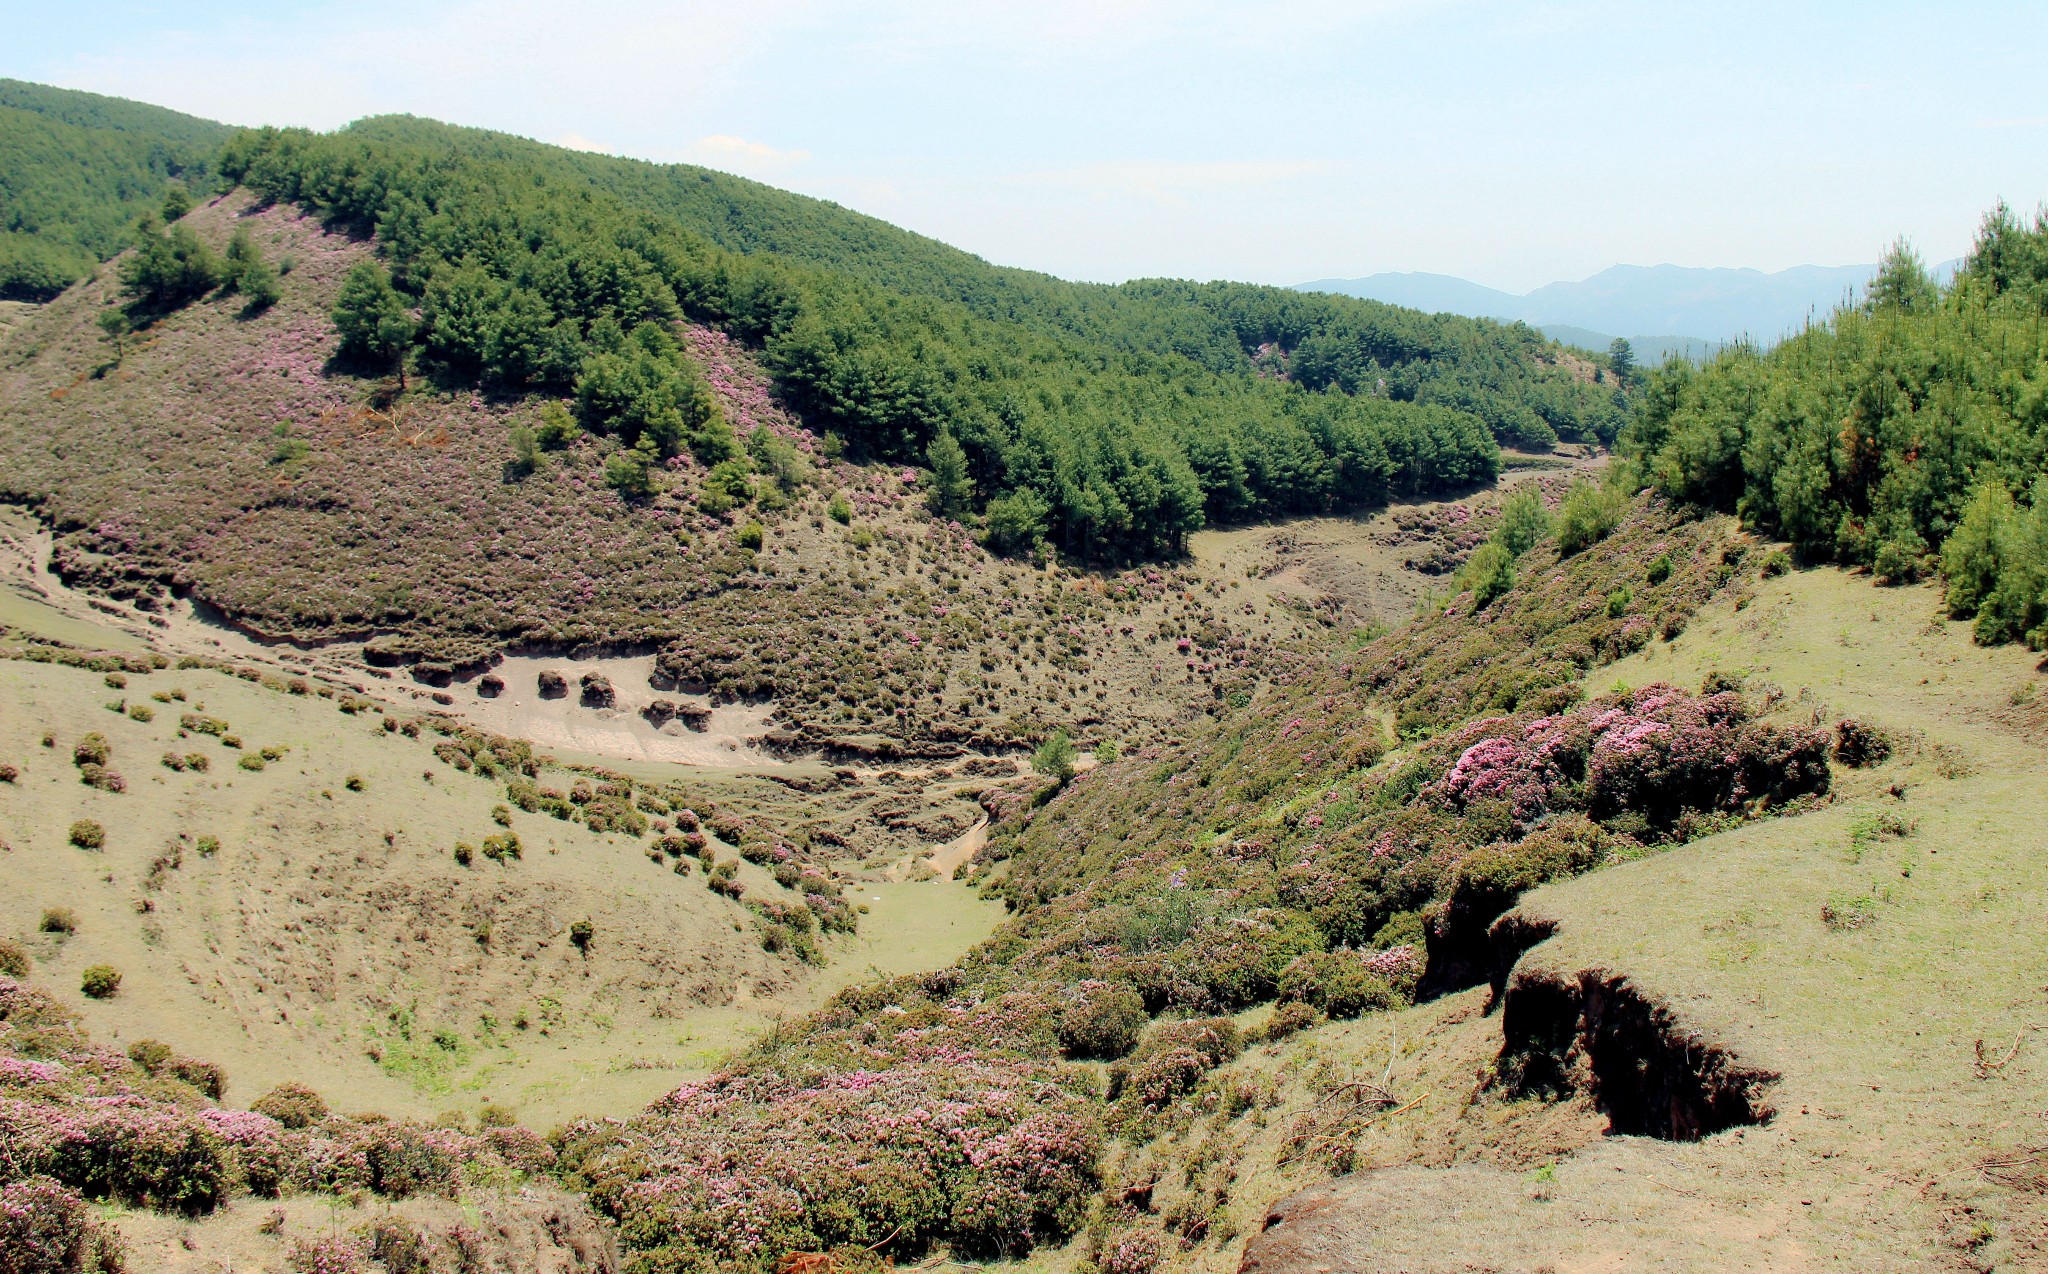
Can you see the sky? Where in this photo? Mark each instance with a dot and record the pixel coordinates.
(1510, 143)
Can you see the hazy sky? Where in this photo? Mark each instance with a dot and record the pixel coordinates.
(1513, 144)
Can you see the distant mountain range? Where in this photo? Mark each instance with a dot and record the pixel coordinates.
(1660, 308)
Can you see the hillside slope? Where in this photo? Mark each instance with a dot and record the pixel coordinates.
(222, 462)
(76, 169)
(311, 919)
(1877, 963)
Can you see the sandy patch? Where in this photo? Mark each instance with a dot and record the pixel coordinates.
(729, 739)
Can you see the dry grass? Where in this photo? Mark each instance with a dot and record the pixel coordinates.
(333, 937)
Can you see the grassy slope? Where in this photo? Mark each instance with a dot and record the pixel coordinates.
(286, 954)
(1874, 1158)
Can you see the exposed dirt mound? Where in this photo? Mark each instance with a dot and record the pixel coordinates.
(1650, 1074)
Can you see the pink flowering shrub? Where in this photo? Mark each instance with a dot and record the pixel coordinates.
(90, 1122)
(995, 1156)
(1101, 1020)
(325, 1256)
(143, 1154)
(1136, 1250)
(1652, 754)
(46, 1228)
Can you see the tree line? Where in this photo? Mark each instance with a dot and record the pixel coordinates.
(1908, 433)
(1110, 421)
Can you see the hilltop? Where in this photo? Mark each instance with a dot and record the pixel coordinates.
(76, 169)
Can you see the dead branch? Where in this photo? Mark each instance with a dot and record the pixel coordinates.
(1986, 1068)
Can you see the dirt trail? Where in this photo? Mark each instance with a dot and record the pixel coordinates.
(948, 858)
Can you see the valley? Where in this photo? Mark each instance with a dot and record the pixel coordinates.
(561, 713)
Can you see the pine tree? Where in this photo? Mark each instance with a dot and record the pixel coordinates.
(1055, 758)
(951, 488)
(1523, 521)
(372, 318)
(1621, 357)
(114, 327)
(1902, 282)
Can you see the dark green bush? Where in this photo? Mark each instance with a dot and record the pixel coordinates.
(1338, 983)
(293, 1105)
(1102, 1020)
(1859, 744)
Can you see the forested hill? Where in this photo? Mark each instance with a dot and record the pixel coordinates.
(1908, 434)
(76, 169)
(1111, 420)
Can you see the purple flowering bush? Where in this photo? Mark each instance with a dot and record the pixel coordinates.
(46, 1228)
(84, 1122)
(993, 1155)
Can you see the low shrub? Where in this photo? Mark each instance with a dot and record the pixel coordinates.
(150, 1055)
(330, 1255)
(14, 959)
(1289, 1018)
(91, 750)
(46, 1228)
(87, 834)
(1339, 983)
(100, 981)
(1102, 1021)
(606, 813)
(252, 762)
(99, 776)
(1859, 744)
(1134, 1250)
(9, 773)
(399, 1246)
(293, 1105)
(59, 920)
(207, 1077)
